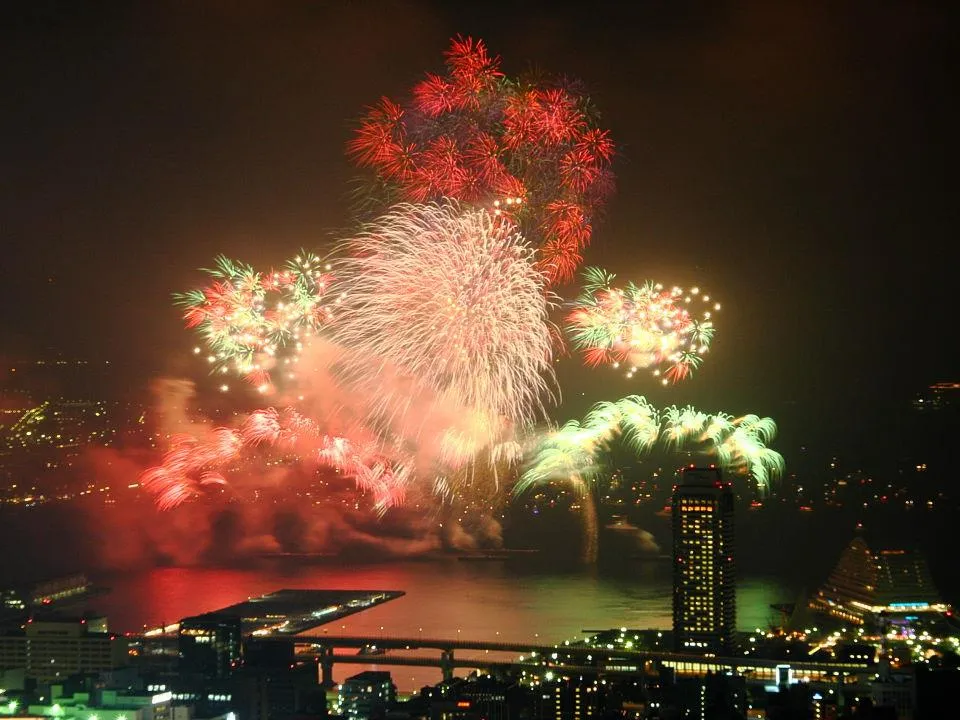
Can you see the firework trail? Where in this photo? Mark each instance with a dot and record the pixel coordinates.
(449, 301)
(575, 448)
(572, 455)
(255, 324)
(641, 326)
(290, 431)
(738, 443)
(191, 464)
(528, 150)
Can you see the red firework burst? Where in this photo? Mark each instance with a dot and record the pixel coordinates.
(471, 134)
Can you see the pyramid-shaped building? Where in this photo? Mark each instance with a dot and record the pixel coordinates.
(865, 583)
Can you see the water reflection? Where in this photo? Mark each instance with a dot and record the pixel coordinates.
(478, 598)
(444, 598)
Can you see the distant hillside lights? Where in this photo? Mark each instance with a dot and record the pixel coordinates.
(938, 396)
(59, 424)
(39, 442)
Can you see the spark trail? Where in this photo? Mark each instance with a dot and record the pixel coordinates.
(738, 443)
(573, 453)
(192, 464)
(450, 301)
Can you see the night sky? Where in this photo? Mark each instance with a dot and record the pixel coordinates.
(792, 159)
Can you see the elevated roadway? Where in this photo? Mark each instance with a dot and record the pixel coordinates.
(385, 650)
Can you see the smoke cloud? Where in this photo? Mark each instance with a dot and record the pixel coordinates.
(269, 508)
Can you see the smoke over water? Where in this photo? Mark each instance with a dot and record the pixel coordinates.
(272, 503)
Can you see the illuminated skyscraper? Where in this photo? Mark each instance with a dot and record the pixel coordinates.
(704, 582)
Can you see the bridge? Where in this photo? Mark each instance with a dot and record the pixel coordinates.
(410, 643)
(562, 658)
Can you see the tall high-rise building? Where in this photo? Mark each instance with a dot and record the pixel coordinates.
(704, 582)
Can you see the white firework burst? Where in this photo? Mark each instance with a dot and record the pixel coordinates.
(445, 303)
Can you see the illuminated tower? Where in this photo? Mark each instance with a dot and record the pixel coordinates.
(704, 583)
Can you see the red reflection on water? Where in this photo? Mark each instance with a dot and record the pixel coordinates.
(444, 598)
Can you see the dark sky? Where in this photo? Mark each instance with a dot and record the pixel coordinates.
(790, 158)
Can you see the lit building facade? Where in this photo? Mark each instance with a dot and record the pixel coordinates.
(568, 699)
(704, 582)
(482, 698)
(366, 695)
(210, 645)
(109, 705)
(865, 584)
(51, 651)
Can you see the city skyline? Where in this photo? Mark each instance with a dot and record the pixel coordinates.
(226, 649)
